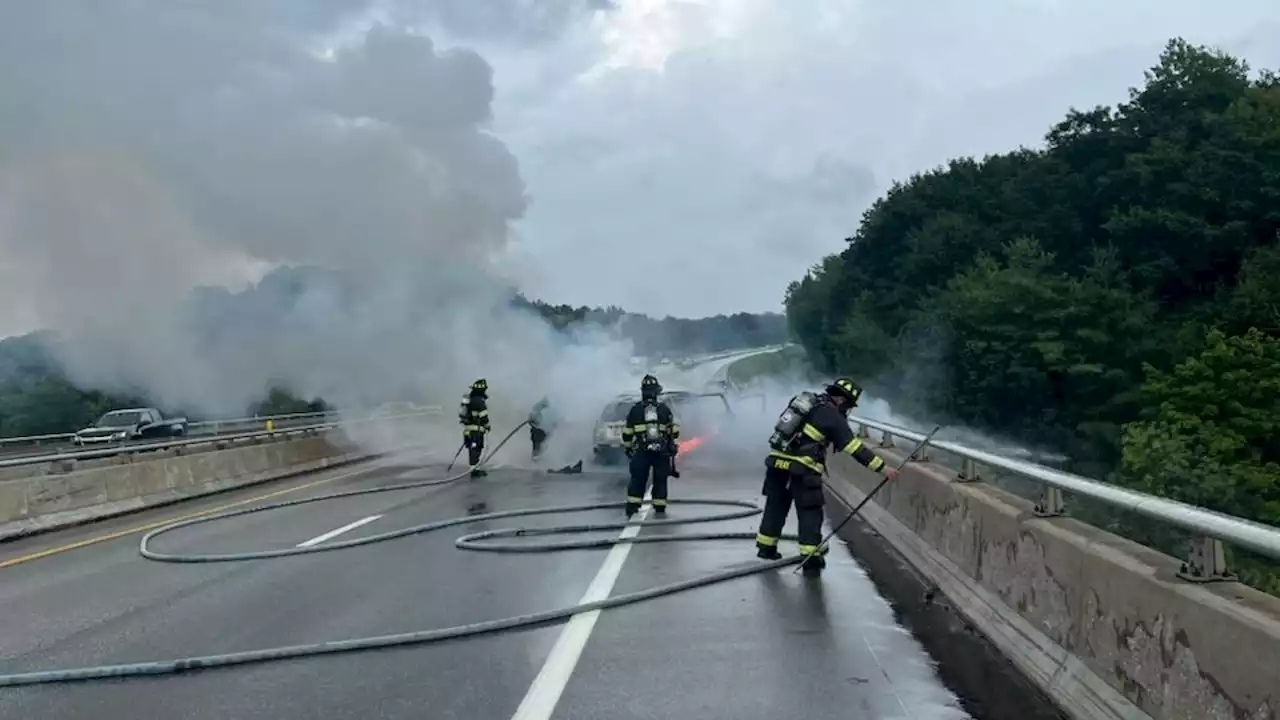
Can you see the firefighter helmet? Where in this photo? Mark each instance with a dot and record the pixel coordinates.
(650, 387)
(845, 388)
(480, 386)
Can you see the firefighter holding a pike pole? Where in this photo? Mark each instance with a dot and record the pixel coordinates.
(797, 461)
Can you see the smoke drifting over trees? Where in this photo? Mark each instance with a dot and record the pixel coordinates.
(147, 149)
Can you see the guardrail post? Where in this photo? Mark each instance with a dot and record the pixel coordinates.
(1051, 503)
(968, 471)
(886, 440)
(863, 431)
(1206, 561)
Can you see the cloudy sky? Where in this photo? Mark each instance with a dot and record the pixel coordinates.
(708, 151)
(674, 157)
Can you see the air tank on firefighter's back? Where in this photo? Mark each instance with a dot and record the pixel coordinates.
(790, 420)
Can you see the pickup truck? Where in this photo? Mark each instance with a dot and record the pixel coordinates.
(130, 424)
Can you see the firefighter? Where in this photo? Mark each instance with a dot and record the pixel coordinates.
(796, 463)
(474, 416)
(650, 439)
(542, 420)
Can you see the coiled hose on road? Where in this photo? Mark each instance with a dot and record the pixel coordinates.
(474, 541)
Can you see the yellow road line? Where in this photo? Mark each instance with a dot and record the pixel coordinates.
(159, 523)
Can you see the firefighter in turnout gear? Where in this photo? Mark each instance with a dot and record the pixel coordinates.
(474, 416)
(797, 461)
(650, 439)
(542, 420)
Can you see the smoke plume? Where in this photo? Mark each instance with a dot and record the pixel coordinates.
(149, 148)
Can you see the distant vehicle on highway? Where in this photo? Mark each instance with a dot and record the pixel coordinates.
(607, 433)
(130, 424)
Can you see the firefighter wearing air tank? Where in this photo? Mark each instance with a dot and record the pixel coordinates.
(474, 416)
(650, 438)
(797, 462)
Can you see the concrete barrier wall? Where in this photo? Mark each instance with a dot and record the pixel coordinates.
(37, 503)
(1101, 623)
(63, 466)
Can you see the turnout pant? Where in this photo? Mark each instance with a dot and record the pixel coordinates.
(475, 447)
(642, 463)
(538, 437)
(781, 489)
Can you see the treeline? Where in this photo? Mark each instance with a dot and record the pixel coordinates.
(36, 398)
(670, 335)
(1115, 295)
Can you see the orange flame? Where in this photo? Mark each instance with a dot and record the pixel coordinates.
(690, 444)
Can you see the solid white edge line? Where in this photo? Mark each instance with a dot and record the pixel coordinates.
(335, 533)
(544, 693)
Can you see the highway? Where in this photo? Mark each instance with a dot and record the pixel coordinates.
(759, 646)
(16, 450)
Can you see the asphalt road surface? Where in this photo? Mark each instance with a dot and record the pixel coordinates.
(765, 646)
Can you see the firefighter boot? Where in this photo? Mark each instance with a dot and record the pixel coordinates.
(814, 566)
(767, 552)
(766, 544)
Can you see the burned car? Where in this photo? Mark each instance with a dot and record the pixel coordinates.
(691, 410)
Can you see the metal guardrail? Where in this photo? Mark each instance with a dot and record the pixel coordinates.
(214, 424)
(131, 448)
(1206, 559)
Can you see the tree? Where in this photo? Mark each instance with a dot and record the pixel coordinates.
(1255, 300)
(1207, 438)
(52, 405)
(1207, 435)
(1036, 348)
(281, 402)
(1023, 293)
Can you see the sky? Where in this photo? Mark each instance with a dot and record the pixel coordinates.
(682, 158)
(708, 152)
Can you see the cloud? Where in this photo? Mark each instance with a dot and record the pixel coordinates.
(681, 158)
(519, 21)
(149, 148)
(688, 146)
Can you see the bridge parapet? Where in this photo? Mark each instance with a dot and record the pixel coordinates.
(1107, 627)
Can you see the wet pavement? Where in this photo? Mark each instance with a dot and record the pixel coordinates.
(764, 646)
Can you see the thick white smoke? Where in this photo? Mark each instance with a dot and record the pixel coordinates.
(146, 149)
(743, 438)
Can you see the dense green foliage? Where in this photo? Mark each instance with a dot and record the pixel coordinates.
(1115, 294)
(37, 399)
(281, 402)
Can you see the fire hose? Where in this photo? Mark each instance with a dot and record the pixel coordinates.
(496, 541)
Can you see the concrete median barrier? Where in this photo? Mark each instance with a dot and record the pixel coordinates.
(1101, 624)
(128, 483)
